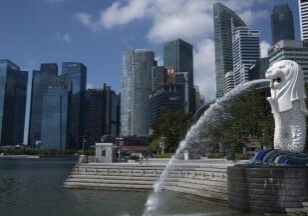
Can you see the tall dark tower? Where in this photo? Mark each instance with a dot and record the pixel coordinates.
(225, 20)
(40, 82)
(77, 73)
(13, 97)
(282, 23)
(179, 54)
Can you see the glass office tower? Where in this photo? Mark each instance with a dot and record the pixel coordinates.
(136, 87)
(13, 97)
(77, 73)
(178, 54)
(40, 83)
(282, 23)
(225, 20)
(55, 115)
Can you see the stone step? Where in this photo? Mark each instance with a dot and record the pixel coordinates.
(132, 178)
(216, 189)
(201, 182)
(206, 176)
(202, 193)
(102, 186)
(110, 181)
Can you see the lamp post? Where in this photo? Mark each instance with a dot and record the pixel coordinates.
(120, 141)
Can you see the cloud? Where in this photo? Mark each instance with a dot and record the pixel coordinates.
(86, 20)
(264, 46)
(204, 68)
(65, 37)
(159, 60)
(118, 14)
(171, 19)
(90, 86)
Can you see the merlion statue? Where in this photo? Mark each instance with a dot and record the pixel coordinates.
(288, 105)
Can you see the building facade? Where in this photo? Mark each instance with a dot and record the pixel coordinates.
(40, 83)
(282, 23)
(225, 20)
(13, 97)
(136, 86)
(290, 50)
(158, 77)
(55, 116)
(229, 82)
(257, 71)
(168, 97)
(77, 73)
(246, 51)
(303, 18)
(178, 54)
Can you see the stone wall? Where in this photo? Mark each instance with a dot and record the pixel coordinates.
(204, 179)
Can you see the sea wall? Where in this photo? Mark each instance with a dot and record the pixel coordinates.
(271, 189)
(205, 178)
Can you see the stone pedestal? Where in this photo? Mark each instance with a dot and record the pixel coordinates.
(271, 189)
(104, 153)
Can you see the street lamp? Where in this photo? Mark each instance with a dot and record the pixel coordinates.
(120, 141)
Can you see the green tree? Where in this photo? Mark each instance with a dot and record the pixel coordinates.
(249, 116)
(173, 126)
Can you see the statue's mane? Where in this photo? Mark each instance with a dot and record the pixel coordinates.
(294, 87)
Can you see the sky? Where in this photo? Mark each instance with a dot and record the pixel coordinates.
(96, 32)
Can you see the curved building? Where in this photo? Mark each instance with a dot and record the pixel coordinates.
(136, 87)
(224, 21)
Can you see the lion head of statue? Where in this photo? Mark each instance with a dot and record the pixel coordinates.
(287, 84)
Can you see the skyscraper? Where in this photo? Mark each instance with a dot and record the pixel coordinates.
(77, 73)
(282, 23)
(136, 87)
(179, 54)
(229, 82)
(246, 51)
(102, 111)
(167, 96)
(55, 115)
(303, 17)
(290, 50)
(40, 83)
(13, 96)
(224, 22)
(158, 77)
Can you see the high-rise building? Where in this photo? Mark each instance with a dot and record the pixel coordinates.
(136, 87)
(179, 55)
(182, 79)
(102, 111)
(77, 73)
(282, 23)
(40, 83)
(257, 71)
(94, 104)
(169, 97)
(290, 50)
(111, 123)
(246, 51)
(55, 116)
(229, 82)
(13, 96)
(158, 77)
(225, 20)
(303, 17)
